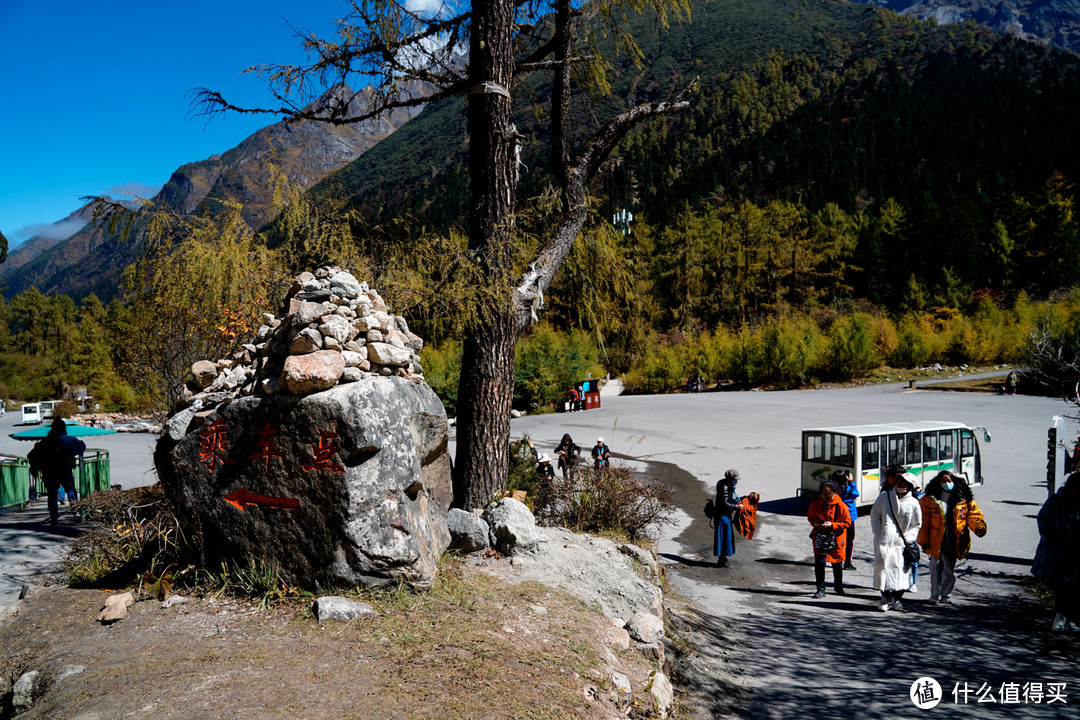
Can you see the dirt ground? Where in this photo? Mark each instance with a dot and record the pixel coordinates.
(472, 648)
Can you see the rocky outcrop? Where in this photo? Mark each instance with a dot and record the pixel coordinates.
(281, 458)
(335, 329)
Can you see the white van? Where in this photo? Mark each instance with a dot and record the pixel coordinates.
(47, 407)
(31, 413)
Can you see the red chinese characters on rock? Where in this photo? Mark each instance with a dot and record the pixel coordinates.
(214, 446)
(322, 454)
(267, 445)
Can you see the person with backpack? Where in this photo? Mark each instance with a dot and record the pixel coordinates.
(849, 493)
(724, 509)
(53, 458)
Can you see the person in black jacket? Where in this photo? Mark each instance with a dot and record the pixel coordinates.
(54, 458)
(568, 452)
(726, 505)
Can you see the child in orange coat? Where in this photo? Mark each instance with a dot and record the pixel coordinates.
(830, 517)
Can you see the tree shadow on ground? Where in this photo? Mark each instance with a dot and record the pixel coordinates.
(856, 661)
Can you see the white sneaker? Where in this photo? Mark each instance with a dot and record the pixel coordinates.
(883, 606)
(1059, 623)
(913, 588)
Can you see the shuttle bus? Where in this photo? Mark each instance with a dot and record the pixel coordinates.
(31, 413)
(925, 448)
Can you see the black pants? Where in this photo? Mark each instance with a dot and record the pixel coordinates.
(850, 543)
(819, 573)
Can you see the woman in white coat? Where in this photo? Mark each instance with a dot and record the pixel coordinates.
(895, 519)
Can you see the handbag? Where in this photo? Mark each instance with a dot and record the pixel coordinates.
(912, 553)
(823, 540)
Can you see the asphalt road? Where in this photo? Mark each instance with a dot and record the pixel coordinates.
(786, 655)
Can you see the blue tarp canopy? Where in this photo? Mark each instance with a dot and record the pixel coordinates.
(73, 429)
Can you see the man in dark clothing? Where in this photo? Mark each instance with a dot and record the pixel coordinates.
(53, 458)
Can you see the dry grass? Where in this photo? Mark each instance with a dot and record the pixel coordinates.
(472, 647)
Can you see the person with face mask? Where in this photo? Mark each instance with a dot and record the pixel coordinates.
(829, 516)
(949, 516)
(895, 520)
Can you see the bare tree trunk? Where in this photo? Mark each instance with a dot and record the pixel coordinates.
(486, 388)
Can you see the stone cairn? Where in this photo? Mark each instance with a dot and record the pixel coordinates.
(334, 330)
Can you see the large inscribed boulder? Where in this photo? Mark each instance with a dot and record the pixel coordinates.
(329, 461)
(348, 486)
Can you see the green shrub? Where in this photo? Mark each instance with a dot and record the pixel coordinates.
(854, 346)
(442, 370)
(609, 501)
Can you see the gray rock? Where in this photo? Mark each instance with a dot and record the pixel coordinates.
(351, 375)
(338, 328)
(620, 682)
(653, 652)
(386, 354)
(660, 688)
(310, 312)
(28, 688)
(468, 532)
(69, 670)
(367, 461)
(352, 358)
(333, 607)
(345, 284)
(646, 628)
(512, 527)
(203, 373)
(306, 341)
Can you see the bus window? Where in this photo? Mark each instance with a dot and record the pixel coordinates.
(896, 450)
(871, 453)
(843, 451)
(945, 445)
(929, 452)
(815, 447)
(967, 443)
(914, 448)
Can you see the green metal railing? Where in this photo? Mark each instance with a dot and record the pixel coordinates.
(92, 473)
(14, 481)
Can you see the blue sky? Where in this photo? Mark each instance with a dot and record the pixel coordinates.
(95, 95)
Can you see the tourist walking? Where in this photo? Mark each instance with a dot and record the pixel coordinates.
(1057, 562)
(54, 458)
(725, 507)
(949, 516)
(895, 520)
(849, 493)
(829, 516)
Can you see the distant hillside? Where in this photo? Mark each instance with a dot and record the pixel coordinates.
(972, 134)
(1054, 22)
(306, 151)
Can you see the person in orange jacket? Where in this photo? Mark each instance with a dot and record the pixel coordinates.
(949, 516)
(830, 517)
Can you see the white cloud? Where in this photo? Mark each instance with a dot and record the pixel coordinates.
(428, 8)
(53, 231)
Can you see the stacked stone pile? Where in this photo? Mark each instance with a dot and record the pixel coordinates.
(334, 330)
